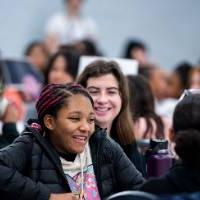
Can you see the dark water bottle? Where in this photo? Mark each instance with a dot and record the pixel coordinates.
(158, 158)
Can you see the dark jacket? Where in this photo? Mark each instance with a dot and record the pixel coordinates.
(9, 134)
(131, 150)
(179, 179)
(31, 169)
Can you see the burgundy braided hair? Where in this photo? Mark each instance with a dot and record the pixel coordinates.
(53, 97)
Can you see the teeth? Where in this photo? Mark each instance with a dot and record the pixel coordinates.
(80, 137)
(102, 109)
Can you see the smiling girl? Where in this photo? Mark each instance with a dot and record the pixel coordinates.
(108, 87)
(59, 157)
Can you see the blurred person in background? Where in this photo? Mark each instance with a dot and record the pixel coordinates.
(62, 67)
(179, 80)
(147, 124)
(8, 116)
(184, 176)
(69, 27)
(158, 80)
(36, 54)
(87, 47)
(137, 50)
(194, 78)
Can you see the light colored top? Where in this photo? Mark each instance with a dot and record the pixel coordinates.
(68, 29)
(80, 175)
(166, 107)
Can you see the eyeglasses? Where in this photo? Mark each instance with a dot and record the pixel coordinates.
(189, 92)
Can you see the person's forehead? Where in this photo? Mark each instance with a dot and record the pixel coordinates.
(103, 77)
(77, 99)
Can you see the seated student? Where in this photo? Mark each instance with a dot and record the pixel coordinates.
(37, 55)
(137, 50)
(194, 78)
(62, 66)
(185, 175)
(8, 117)
(158, 80)
(60, 156)
(178, 80)
(148, 124)
(69, 26)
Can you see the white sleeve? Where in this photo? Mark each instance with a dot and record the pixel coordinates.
(92, 29)
(53, 25)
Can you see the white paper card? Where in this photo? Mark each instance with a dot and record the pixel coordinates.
(128, 66)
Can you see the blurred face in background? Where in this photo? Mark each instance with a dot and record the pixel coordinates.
(58, 73)
(38, 57)
(140, 55)
(74, 5)
(158, 82)
(194, 79)
(107, 100)
(175, 87)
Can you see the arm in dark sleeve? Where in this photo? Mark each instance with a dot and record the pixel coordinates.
(128, 176)
(13, 184)
(10, 132)
(135, 157)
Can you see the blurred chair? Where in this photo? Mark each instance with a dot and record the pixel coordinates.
(132, 195)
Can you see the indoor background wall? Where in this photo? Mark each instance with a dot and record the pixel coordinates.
(170, 28)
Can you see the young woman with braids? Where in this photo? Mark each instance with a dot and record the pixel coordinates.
(59, 157)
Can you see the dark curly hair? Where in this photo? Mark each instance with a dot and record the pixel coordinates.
(186, 125)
